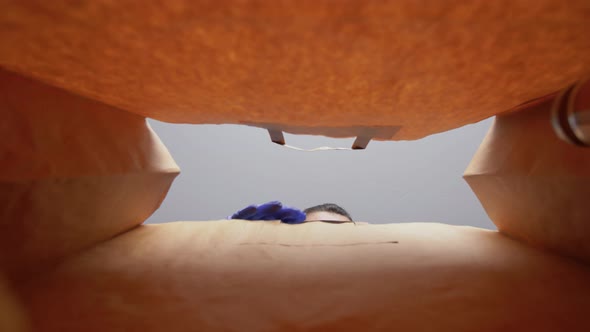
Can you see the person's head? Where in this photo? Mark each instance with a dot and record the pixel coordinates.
(327, 211)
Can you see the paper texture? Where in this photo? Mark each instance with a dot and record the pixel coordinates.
(12, 317)
(80, 165)
(73, 172)
(534, 186)
(306, 64)
(264, 276)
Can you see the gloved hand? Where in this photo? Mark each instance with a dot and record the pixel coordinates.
(271, 211)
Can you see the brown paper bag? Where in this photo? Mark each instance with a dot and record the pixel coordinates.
(236, 276)
(73, 172)
(308, 65)
(12, 317)
(534, 186)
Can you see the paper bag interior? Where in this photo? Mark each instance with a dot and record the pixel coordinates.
(303, 64)
(80, 169)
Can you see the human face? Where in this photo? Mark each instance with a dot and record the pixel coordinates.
(324, 215)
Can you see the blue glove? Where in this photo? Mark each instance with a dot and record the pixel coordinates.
(271, 211)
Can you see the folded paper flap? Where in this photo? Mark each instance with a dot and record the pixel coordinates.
(44, 221)
(73, 172)
(48, 132)
(524, 144)
(534, 185)
(371, 132)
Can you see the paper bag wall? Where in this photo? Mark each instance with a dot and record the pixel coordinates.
(534, 186)
(12, 317)
(73, 172)
(236, 276)
(303, 64)
(76, 173)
